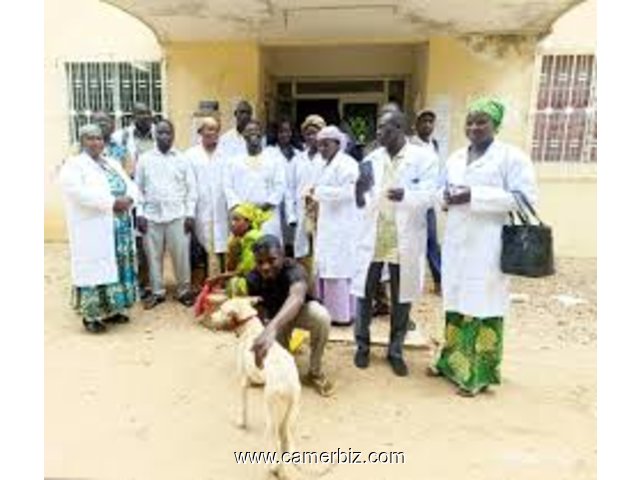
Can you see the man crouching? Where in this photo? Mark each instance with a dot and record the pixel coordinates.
(282, 285)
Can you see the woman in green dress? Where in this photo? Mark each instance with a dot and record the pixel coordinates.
(99, 197)
(480, 181)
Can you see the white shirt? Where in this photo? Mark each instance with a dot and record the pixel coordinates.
(168, 185)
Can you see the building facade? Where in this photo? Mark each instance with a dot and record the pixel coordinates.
(343, 60)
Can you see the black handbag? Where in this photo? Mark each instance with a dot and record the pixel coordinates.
(527, 249)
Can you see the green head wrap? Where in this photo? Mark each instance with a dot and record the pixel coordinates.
(491, 106)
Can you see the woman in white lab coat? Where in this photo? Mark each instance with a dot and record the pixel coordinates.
(212, 221)
(305, 171)
(257, 178)
(334, 193)
(480, 180)
(282, 147)
(98, 197)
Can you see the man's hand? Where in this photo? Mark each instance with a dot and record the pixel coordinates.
(262, 344)
(395, 194)
(143, 226)
(189, 225)
(122, 204)
(457, 195)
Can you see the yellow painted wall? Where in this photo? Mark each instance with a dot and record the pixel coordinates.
(223, 71)
(457, 73)
(80, 30)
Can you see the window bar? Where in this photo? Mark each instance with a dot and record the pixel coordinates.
(568, 115)
(544, 145)
(116, 96)
(588, 143)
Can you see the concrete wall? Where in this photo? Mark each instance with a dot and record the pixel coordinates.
(341, 61)
(80, 30)
(223, 71)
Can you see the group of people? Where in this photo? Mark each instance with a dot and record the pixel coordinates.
(309, 229)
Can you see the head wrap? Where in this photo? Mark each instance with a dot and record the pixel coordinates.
(206, 122)
(491, 106)
(315, 121)
(333, 133)
(89, 129)
(256, 216)
(425, 111)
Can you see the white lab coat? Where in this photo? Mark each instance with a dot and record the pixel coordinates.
(473, 283)
(212, 221)
(266, 184)
(89, 208)
(305, 174)
(289, 172)
(337, 216)
(231, 144)
(418, 175)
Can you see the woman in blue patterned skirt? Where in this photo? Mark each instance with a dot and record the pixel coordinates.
(99, 197)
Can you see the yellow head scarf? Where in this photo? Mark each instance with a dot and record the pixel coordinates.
(253, 214)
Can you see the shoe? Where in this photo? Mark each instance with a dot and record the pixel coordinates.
(153, 301)
(320, 383)
(94, 326)
(381, 309)
(144, 294)
(361, 359)
(187, 299)
(117, 318)
(465, 393)
(398, 366)
(411, 325)
(437, 289)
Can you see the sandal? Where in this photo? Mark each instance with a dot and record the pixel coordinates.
(117, 318)
(94, 326)
(320, 383)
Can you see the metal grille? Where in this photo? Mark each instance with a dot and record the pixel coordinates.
(113, 87)
(565, 127)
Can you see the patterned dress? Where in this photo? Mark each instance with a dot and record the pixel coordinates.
(100, 302)
(472, 353)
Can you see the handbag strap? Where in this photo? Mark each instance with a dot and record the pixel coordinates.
(521, 200)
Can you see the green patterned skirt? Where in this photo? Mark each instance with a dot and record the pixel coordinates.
(472, 353)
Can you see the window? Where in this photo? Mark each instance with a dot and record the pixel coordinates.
(113, 87)
(565, 128)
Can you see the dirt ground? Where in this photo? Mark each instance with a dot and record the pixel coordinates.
(155, 399)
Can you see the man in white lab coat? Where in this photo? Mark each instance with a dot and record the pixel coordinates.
(232, 143)
(257, 178)
(211, 214)
(396, 186)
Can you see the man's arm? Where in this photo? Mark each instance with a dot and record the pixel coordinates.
(287, 313)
